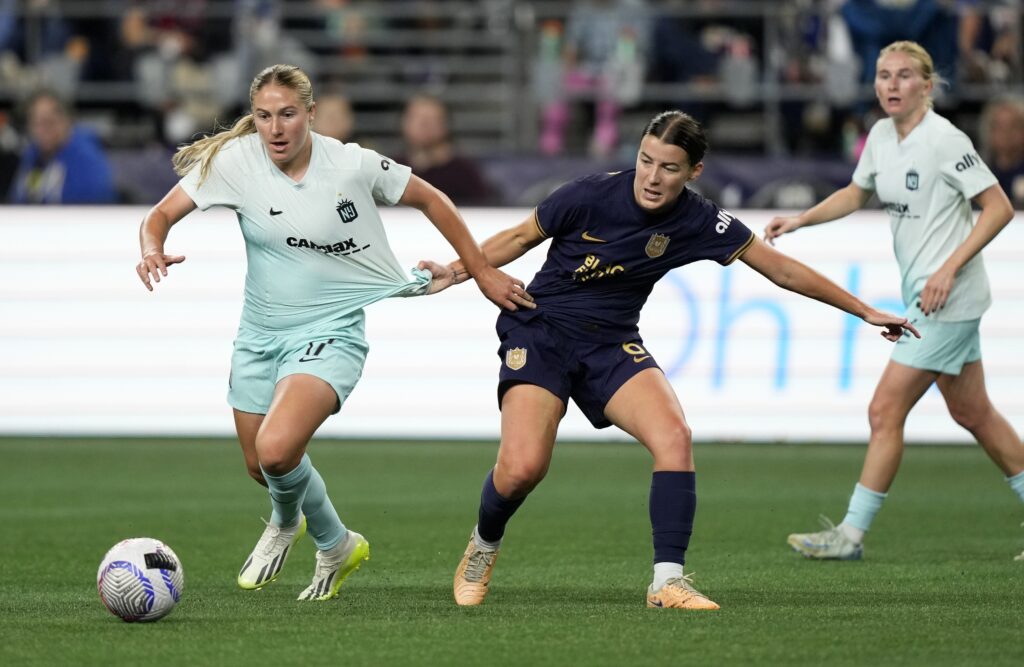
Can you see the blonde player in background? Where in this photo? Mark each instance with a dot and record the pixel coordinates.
(317, 254)
(926, 173)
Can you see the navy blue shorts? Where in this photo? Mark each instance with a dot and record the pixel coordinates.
(588, 372)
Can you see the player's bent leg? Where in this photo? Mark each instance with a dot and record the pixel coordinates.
(529, 424)
(247, 425)
(268, 558)
(334, 565)
(300, 405)
(646, 407)
(679, 593)
(969, 405)
(898, 390)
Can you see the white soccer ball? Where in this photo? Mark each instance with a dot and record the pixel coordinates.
(140, 579)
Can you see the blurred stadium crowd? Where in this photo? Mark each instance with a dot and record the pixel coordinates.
(494, 101)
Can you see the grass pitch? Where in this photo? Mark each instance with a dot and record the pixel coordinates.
(938, 585)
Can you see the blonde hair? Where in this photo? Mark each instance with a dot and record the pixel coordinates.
(923, 59)
(203, 151)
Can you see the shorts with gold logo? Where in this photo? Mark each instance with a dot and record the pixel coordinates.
(588, 372)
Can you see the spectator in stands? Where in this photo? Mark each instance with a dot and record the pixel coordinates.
(1002, 145)
(602, 59)
(334, 118)
(9, 142)
(989, 40)
(171, 42)
(63, 163)
(875, 23)
(926, 172)
(39, 46)
(433, 157)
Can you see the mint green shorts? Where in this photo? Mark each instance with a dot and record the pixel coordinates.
(261, 360)
(944, 347)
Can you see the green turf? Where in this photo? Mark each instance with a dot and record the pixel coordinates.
(938, 585)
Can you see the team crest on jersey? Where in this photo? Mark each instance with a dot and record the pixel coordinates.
(913, 180)
(515, 358)
(347, 210)
(656, 245)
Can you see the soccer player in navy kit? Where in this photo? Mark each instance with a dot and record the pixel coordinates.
(613, 237)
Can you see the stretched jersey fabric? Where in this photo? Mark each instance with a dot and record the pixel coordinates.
(607, 252)
(316, 249)
(926, 183)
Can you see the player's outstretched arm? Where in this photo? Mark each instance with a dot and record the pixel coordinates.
(153, 234)
(501, 289)
(506, 246)
(839, 204)
(797, 277)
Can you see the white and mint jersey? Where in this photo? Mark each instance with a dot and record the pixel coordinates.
(926, 183)
(316, 249)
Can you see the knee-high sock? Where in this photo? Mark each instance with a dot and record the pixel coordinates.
(495, 511)
(672, 505)
(322, 521)
(287, 492)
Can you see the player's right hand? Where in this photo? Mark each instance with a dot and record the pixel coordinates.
(503, 290)
(153, 265)
(780, 225)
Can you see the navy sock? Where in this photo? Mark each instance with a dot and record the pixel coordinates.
(673, 503)
(495, 511)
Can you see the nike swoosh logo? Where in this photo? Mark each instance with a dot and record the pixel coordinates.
(657, 603)
(310, 359)
(588, 237)
(273, 212)
(637, 360)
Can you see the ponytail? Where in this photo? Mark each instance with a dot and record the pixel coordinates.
(204, 150)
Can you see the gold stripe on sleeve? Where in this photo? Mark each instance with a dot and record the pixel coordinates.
(739, 251)
(536, 221)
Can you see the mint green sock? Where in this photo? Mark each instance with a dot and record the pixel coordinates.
(322, 521)
(1017, 484)
(864, 505)
(287, 492)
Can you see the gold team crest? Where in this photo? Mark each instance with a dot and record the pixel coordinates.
(515, 358)
(656, 246)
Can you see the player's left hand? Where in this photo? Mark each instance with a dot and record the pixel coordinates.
(894, 327)
(936, 290)
(503, 290)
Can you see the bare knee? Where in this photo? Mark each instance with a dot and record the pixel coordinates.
(883, 416)
(278, 455)
(515, 479)
(672, 447)
(971, 416)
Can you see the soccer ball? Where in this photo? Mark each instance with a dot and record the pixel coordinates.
(140, 579)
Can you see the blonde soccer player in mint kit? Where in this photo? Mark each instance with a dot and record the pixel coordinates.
(317, 254)
(926, 173)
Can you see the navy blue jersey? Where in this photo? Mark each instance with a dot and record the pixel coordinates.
(607, 252)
